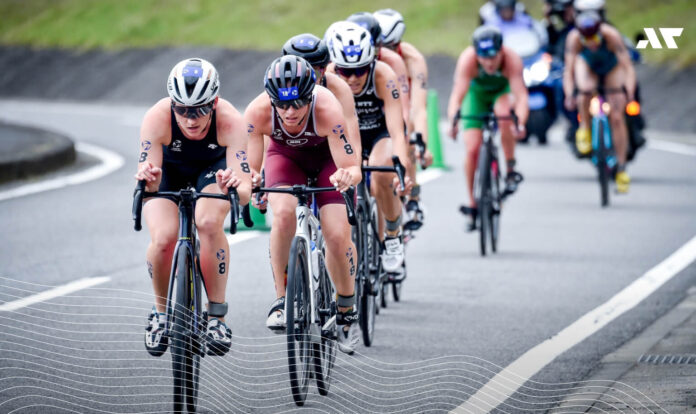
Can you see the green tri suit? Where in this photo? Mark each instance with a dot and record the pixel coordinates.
(484, 90)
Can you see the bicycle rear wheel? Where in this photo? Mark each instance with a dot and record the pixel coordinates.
(185, 346)
(602, 167)
(297, 314)
(325, 351)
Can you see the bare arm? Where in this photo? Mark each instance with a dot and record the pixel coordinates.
(257, 122)
(386, 88)
(418, 72)
(616, 44)
(571, 53)
(154, 132)
(331, 123)
(342, 92)
(517, 86)
(399, 67)
(232, 135)
(462, 79)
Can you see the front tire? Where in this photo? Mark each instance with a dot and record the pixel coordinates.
(185, 346)
(297, 314)
(324, 352)
(602, 165)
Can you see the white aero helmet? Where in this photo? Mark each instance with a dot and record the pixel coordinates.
(585, 5)
(350, 45)
(193, 82)
(393, 26)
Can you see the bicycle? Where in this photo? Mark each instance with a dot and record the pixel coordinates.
(310, 307)
(603, 156)
(186, 322)
(487, 179)
(369, 281)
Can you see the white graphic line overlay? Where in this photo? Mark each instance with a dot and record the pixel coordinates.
(510, 379)
(110, 162)
(53, 293)
(673, 147)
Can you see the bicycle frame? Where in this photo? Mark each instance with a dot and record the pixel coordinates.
(601, 117)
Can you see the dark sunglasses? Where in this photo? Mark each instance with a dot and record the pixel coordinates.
(348, 72)
(295, 103)
(193, 112)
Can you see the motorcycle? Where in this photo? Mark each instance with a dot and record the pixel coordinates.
(543, 77)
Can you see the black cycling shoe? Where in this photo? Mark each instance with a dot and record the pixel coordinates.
(415, 216)
(472, 212)
(512, 180)
(219, 337)
(156, 342)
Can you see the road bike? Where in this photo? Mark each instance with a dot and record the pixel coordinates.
(487, 181)
(603, 155)
(186, 321)
(310, 306)
(371, 280)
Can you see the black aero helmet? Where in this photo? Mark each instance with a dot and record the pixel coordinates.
(504, 4)
(487, 40)
(588, 23)
(309, 47)
(368, 22)
(289, 80)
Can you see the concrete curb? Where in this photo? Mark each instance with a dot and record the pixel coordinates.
(31, 151)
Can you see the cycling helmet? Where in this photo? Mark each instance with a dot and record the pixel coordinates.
(289, 80)
(309, 47)
(350, 45)
(368, 21)
(193, 82)
(557, 6)
(393, 26)
(585, 5)
(588, 23)
(487, 40)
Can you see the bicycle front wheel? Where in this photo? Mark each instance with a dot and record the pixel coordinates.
(496, 205)
(297, 314)
(185, 346)
(325, 351)
(367, 282)
(602, 167)
(483, 201)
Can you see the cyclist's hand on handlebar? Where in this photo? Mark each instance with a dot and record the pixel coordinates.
(227, 178)
(255, 179)
(453, 130)
(426, 158)
(342, 179)
(570, 103)
(519, 131)
(148, 172)
(408, 185)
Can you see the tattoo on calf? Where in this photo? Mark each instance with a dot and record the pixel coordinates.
(221, 256)
(351, 261)
(149, 268)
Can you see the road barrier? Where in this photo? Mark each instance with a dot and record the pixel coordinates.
(434, 144)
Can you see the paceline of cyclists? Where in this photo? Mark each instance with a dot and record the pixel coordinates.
(330, 105)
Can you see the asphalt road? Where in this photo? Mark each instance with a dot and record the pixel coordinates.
(462, 318)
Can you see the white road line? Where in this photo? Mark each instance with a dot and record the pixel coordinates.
(242, 236)
(510, 379)
(428, 175)
(673, 147)
(110, 161)
(54, 293)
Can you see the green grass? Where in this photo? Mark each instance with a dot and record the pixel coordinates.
(435, 26)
